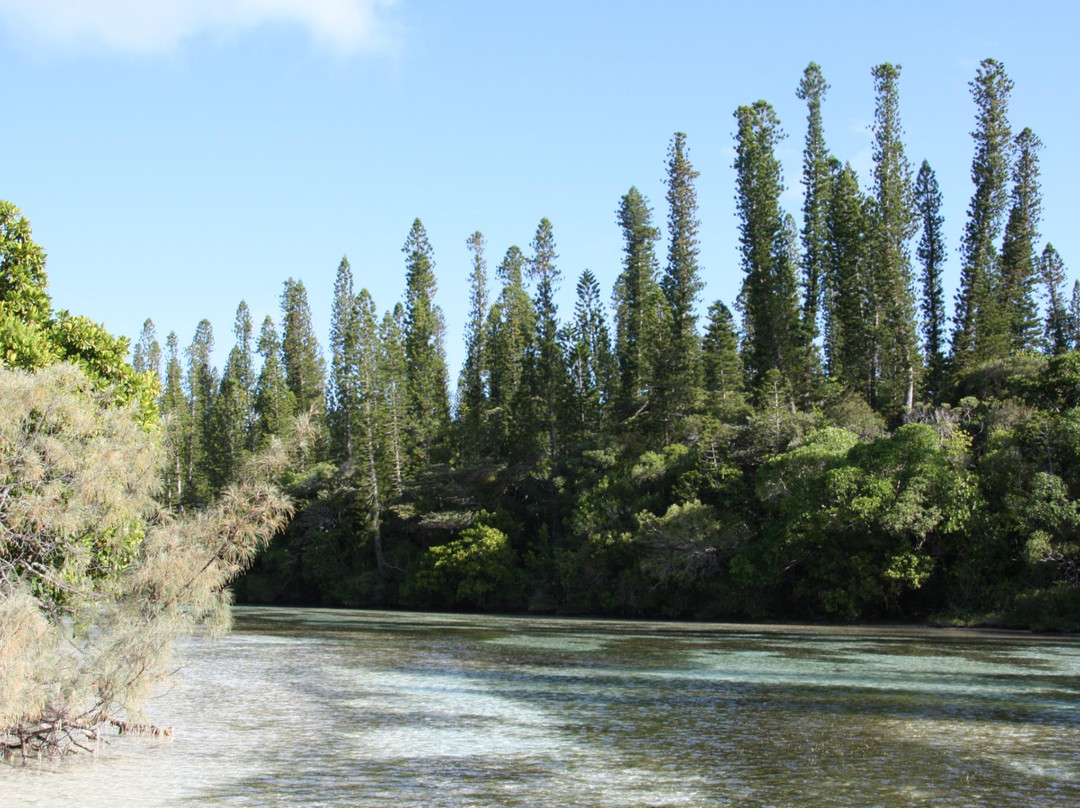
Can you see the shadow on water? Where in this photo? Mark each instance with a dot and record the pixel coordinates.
(319, 707)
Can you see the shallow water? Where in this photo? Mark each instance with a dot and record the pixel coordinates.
(320, 707)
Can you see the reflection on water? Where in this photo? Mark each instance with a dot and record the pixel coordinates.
(319, 707)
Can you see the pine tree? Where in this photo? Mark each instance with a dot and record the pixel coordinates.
(1052, 273)
(817, 181)
(1018, 255)
(722, 366)
(773, 335)
(979, 332)
(175, 414)
(590, 361)
(679, 375)
(202, 383)
(275, 404)
(370, 417)
(474, 375)
(1073, 319)
(848, 317)
(147, 355)
(931, 254)
(510, 325)
(234, 414)
(895, 344)
(305, 370)
(343, 394)
(428, 403)
(639, 306)
(393, 377)
(547, 365)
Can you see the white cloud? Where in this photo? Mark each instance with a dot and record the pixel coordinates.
(154, 26)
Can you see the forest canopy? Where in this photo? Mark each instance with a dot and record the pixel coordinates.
(829, 444)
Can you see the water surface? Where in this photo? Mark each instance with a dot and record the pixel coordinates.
(321, 707)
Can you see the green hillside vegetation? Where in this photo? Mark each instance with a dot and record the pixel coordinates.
(827, 445)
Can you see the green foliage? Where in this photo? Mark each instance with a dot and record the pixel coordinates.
(679, 373)
(426, 397)
(860, 522)
(980, 331)
(478, 569)
(639, 307)
(931, 254)
(818, 183)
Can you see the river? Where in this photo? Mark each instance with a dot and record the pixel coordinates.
(328, 708)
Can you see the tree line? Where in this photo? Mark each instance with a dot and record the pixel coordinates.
(830, 447)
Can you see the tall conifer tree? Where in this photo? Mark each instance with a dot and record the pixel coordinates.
(1052, 274)
(547, 362)
(848, 316)
(1018, 250)
(773, 334)
(895, 344)
(305, 370)
(175, 414)
(233, 416)
(147, 355)
(639, 306)
(979, 332)
(473, 384)
(371, 416)
(723, 370)
(589, 359)
(931, 254)
(393, 376)
(275, 404)
(202, 383)
(425, 373)
(817, 181)
(679, 375)
(343, 394)
(511, 324)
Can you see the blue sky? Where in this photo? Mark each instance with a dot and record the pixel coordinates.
(176, 157)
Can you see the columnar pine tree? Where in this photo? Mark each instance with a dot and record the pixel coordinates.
(721, 364)
(510, 324)
(931, 254)
(343, 394)
(372, 468)
(147, 355)
(848, 317)
(1052, 274)
(1018, 250)
(639, 307)
(979, 332)
(472, 398)
(202, 383)
(305, 370)
(773, 334)
(393, 376)
(817, 181)
(547, 365)
(234, 414)
(1073, 319)
(427, 399)
(679, 375)
(590, 361)
(895, 344)
(275, 404)
(175, 415)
